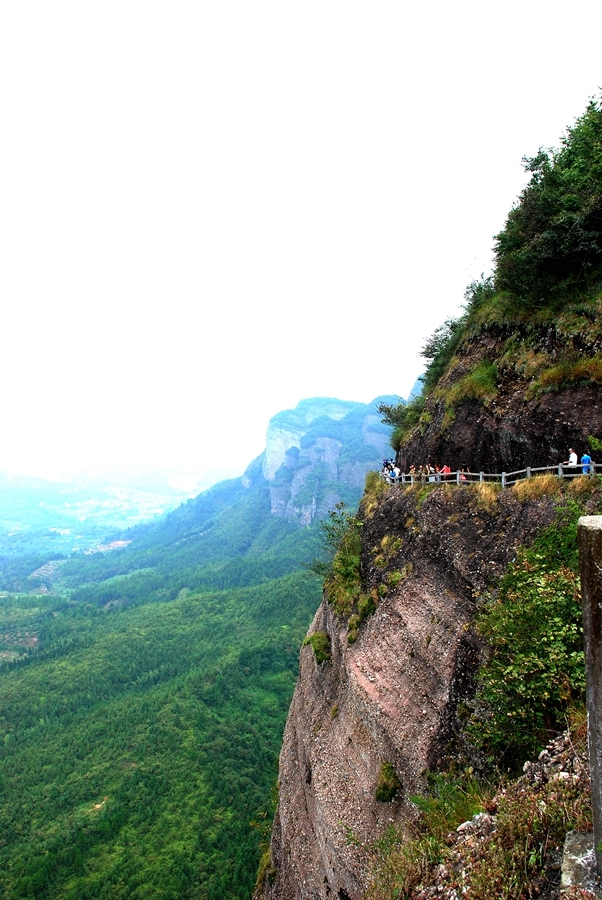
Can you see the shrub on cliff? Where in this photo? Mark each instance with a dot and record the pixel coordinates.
(535, 671)
(388, 784)
(320, 643)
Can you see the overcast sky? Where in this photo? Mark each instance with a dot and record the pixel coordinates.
(212, 210)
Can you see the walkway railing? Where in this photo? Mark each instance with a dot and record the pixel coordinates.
(504, 478)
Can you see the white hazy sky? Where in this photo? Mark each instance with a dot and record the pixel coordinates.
(211, 210)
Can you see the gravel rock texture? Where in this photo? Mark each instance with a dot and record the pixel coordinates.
(560, 761)
(392, 696)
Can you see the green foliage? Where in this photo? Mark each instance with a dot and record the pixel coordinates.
(478, 384)
(572, 370)
(142, 711)
(344, 583)
(439, 350)
(388, 784)
(366, 606)
(353, 628)
(477, 295)
(343, 578)
(136, 745)
(404, 417)
(333, 531)
(527, 824)
(373, 491)
(535, 671)
(320, 643)
(406, 858)
(393, 413)
(595, 444)
(266, 870)
(551, 246)
(340, 566)
(449, 801)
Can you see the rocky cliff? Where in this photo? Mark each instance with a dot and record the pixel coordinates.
(543, 396)
(392, 695)
(512, 383)
(318, 454)
(428, 553)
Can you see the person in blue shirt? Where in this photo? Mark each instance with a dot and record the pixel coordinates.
(586, 462)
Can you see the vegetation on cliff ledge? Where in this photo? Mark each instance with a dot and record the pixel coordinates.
(535, 672)
(541, 308)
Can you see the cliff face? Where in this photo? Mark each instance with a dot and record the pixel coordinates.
(318, 455)
(545, 399)
(392, 696)
(286, 428)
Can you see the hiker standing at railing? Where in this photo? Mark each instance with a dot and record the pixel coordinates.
(571, 462)
(586, 462)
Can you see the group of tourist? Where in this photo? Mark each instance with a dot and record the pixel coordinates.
(573, 463)
(428, 472)
(424, 473)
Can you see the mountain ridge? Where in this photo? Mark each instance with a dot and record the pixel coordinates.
(409, 684)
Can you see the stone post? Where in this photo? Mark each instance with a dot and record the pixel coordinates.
(590, 560)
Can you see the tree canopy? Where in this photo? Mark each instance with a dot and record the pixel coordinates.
(551, 246)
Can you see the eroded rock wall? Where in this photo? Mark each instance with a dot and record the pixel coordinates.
(392, 695)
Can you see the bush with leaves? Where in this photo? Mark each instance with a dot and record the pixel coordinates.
(535, 671)
(320, 643)
(551, 246)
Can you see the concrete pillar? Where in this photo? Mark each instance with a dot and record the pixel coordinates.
(590, 560)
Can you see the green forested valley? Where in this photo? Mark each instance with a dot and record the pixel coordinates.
(138, 745)
(142, 706)
(144, 690)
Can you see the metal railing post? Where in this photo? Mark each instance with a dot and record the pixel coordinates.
(503, 479)
(528, 471)
(560, 470)
(481, 478)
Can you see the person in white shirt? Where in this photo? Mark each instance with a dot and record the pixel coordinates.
(572, 460)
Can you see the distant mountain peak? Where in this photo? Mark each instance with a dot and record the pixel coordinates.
(319, 453)
(287, 427)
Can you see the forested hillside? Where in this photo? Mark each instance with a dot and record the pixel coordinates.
(144, 693)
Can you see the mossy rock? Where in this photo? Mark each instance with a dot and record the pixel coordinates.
(388, 784)
(320, 643)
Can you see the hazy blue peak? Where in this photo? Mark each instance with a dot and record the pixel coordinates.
(307, 410)
(387, 398)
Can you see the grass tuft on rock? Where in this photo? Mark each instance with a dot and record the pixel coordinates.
(388, 784)
(320, 643)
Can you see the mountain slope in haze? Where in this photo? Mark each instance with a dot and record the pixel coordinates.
(70, 515)
(314, 461)
(144, 694)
